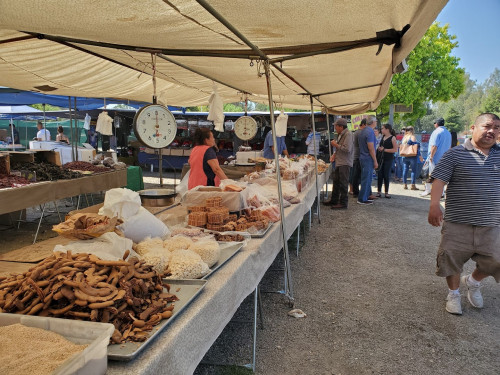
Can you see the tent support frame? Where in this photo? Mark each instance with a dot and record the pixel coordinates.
(318, 203)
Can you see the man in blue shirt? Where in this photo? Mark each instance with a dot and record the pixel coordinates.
(367, 160)
(268, 146)
(310, 143)
(439, 143)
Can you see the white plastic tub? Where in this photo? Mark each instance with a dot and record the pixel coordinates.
(93, 360)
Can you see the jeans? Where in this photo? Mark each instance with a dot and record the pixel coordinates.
(410, 161)
(399, 166)
(340, 185)
(366, 179)
(356, 176)
(384, 174)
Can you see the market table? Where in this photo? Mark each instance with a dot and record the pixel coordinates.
(180, 348)
(19, 198)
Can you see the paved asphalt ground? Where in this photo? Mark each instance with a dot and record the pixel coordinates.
(365, 278)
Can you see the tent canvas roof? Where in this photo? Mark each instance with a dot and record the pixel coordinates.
(341, 53)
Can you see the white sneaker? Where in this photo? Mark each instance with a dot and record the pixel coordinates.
(454, 304)
(425, 193)
(473, 292)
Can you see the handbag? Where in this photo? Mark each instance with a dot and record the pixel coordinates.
(407, 150)
(380, 159)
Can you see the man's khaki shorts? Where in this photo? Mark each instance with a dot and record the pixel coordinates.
(461, 242)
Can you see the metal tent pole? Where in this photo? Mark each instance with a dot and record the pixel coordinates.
(288, 271)
(71, 129)
(76, 131)
(315, 160)
(329, 144)
(44, 121)
(12, 132)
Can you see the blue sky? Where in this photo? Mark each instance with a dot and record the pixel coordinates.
(477, 27)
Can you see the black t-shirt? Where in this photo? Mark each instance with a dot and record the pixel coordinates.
(209, 155)
(387, 144)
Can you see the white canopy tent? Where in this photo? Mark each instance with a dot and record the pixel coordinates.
(338, 56)
(343, 53)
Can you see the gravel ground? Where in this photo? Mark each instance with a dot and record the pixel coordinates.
(365, 278)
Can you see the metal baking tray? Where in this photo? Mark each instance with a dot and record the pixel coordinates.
(227, 251)
(263, 232)
(186, 291)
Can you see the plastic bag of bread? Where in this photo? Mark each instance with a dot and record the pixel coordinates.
(231, 185)
(85, 226)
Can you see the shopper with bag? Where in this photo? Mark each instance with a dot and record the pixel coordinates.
(387, 147)
(439, 143)
(410, 151)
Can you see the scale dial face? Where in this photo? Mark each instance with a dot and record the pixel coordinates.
(245, 128)
(155, 126)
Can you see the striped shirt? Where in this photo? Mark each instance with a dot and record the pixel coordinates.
(473, 194)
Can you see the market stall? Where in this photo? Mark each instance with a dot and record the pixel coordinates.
(191, 334)
(244, 59)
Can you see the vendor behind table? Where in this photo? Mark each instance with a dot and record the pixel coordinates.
(204, 166)
(61, 137)
(42, 134)
(268, 150)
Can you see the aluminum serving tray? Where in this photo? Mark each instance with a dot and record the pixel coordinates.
(226, 253)
(186, 291)
(263, 232)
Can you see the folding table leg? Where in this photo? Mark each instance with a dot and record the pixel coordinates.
(42, 207)
(298, 239)
(20, 217)
(57, 209)
(261, 312)
(255, 305)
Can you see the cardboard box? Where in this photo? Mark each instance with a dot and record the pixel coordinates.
(21, 156)
(5, 163)
(177, 152)
(52, 157)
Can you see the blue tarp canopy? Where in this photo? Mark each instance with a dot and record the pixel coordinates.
(10, 96)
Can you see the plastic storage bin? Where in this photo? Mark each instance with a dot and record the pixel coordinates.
(93, 360)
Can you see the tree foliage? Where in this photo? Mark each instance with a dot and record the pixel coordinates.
(433, 75)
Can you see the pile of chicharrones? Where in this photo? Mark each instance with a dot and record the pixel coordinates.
(216, 217)
(186, 254)
(127, 293)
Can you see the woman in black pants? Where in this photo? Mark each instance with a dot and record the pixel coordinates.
(388, 145)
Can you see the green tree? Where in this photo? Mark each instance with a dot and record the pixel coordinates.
(433, 75)
(492, 101)
(453, 120)
(48, 107)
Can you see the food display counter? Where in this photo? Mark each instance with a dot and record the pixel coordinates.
(19, 198)
(181, 347)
